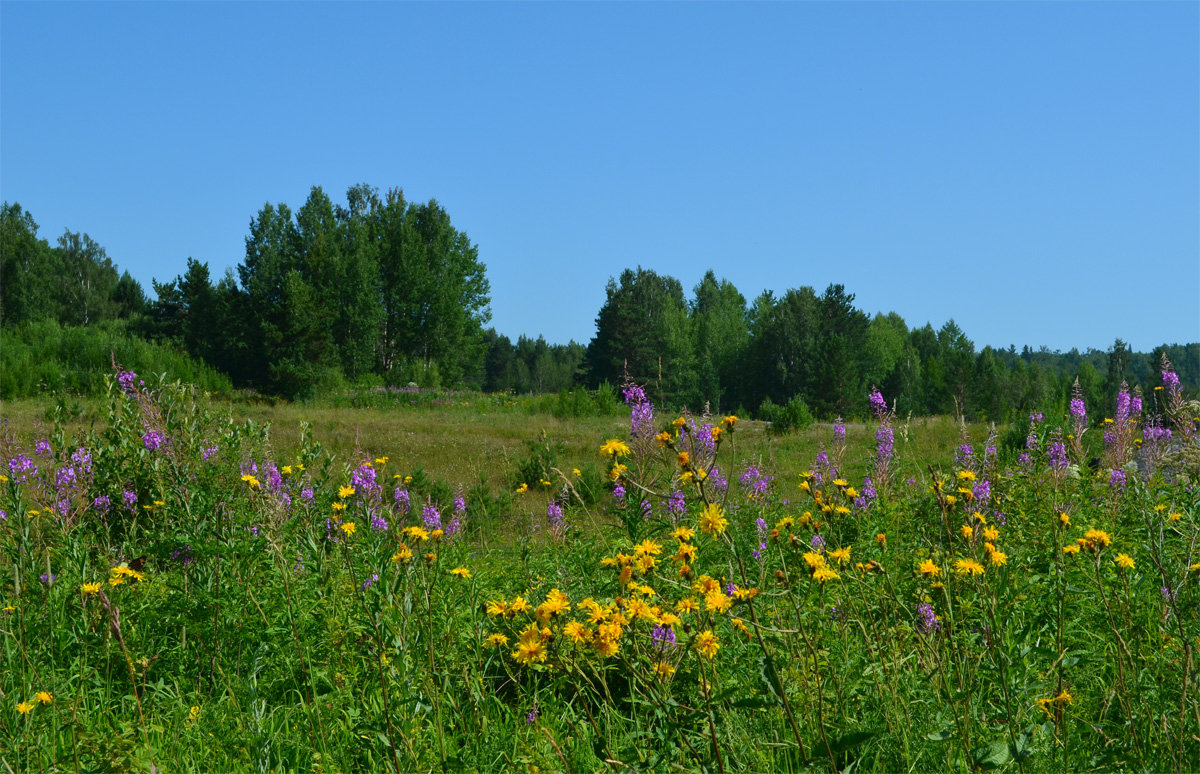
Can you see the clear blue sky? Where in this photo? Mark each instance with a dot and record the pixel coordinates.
(1028, 169)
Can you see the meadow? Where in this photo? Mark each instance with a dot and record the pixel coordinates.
(417, 580)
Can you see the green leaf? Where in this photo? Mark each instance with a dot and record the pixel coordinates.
(850, 741)
(941, 736)
(991, 756)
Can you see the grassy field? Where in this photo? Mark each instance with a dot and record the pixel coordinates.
(462, 582)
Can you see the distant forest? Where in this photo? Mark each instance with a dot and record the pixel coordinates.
(383, 291)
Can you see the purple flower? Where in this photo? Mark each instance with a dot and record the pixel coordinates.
(1078, 410)
(1035, 417)
(1167, 594)
(676, 503)
(208, 453)
(152, 440)
(531, 717)
(817, 542)
(1123, 406)
(878, 404)
(761, 530)
(963, 453)
(1058, 455)
(83, 459)
(41, 448)
(756, 482)
(1135, 404)
(646, 509)
(929, 622)
(885, 439)
(363, 480)
(431, 517)
(307, 494)
(1116, 480)
(101, 503)
(554, 514)
(1024, 460)
(619, 493)
(49, 578)
(369, 582)
(663, 637)
(982, 491)
(129, 500)
(460, 504)
(64, 478)
(839, 430)
(21, 469)
(402, 500)
(716, 481)
(1170, 381)
(378, 523)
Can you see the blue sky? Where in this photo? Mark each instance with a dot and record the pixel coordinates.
(1030, 170)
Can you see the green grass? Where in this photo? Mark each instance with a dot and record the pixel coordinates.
(264, 636)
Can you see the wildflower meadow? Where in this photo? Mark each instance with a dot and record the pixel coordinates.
(178, 594)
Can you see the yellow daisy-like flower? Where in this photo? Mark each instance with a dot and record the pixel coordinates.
(519, 605)
(730, 421)
(841, 483)
(814, 560)
(716, 434)
(1071, 549)
(1124, 561)
(712, 520)
(685, 605)
(968, 567)
(617, 471)
(851, 492)
(647, 547)
(339, 507)
(345, 491)
(707, 644)
(715, 601)
(90, 589)
(381, 460)
(348, 527)
(461, 572)
(967, 531)
(1175, 516)
(614, 448)
(991, 533)
(251, 481)
(930, 568)
(1097, 539)
(684, 459)
(678, 422)
(576, 472)
(664, 670)
(1064, 519)
(577, 632)
(841, 556)
(403, 555)
(24, 708)
(823, 574)
(43, 697)
(523, 488)
(193, 713)
(683, 534)
(881, 539)
(496, 640)
(998, 558)
(286, 470)
(951, 499)
(417, 533)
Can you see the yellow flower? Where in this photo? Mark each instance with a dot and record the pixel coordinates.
(348, 527)
(968, 567)
(707, 644)
(841, 556)
(928, 567)
(716, 434)
(381, 460)
(715, 601)
(683, 534)
(403, 556)
(990, 533)
(804, 486)
(968, 531)
(251, 481)
(998, 558)
(44, 697)
(614, 448)
(576, 472)
(1097, 539)
(841, 482)
(24, 708)
(881, 539)
(685, 605)
(90, 589)
(339, 507)
(286, 470)
(461, 572)
(523, 488)
(519, 605)
(647, 547)
(683, 459)
(664, 669)
(1064, 519)
(1124, 561)
(496, 640)
(1175, 516)
(966, 475)
(617, 471)
(1071, 549)
(678, 422)
(345, 491)
(194, 713)
(712, 520)
(822, 574)
(951, 499)
(814, 560)
(417, 533)
(577, 632)
(730, 421)
(851, 492)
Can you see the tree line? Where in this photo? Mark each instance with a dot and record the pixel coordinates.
(382, 290)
